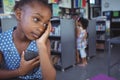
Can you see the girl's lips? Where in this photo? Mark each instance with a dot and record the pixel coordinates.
(35, 35)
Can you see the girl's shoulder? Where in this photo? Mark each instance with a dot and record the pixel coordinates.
(6, 34)
(6, 37)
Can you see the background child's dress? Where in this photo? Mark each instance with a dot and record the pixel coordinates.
(82, 43)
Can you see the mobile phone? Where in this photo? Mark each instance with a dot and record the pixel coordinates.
(29, 54)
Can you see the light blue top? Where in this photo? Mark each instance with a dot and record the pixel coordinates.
(12, 57)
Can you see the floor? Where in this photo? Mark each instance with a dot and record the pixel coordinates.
(96, 65)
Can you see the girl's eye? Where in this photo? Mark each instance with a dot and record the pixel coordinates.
(36, 19)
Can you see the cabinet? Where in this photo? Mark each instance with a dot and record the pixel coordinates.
(92, 38)
(10, 20)
(63, 41)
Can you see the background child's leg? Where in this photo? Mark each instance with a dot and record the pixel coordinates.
(77, 56)
(83, 55)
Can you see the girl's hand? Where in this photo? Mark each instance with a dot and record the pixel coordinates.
(27, 66)
(44, 37)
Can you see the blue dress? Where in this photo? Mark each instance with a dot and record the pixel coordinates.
(12, 58)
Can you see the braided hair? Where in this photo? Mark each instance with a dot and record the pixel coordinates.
(19, 4)
(84, 22)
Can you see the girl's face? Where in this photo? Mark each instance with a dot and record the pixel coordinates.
(33, 20)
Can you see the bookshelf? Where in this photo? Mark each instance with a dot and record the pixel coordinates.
(55, 37)
(63, 39)
(63, 42)
(114, 18)
(100, 34)
(98, 30)
(70, 8)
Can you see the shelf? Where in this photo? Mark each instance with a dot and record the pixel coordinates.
(55, 19)
(102, 49)
(101, 25)
(55, 37)
(100, 21)
(55, 52)
(99, 40)
(100, 31)
(116, 20)
(100, 46)
(72, 13)
(115, 29)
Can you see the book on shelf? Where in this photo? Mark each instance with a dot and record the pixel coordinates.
(100, 37)
(77, 3)
(55, 31)
(8, 6)
(55, 10)
(72, 4)
(53, 1)
(65, 3)
(55, 45)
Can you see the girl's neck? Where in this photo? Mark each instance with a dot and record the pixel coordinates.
(20, 41)
(19, 36)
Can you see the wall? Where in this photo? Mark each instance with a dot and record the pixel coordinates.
(8, 22)
(110, 5)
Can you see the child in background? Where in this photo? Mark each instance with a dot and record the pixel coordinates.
(81, 24)
(31, 33)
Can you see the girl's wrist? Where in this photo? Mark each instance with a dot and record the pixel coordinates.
(41, 47)
(19, 72)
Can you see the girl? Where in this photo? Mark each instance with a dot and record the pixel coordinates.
(30, 33)
(82, 24)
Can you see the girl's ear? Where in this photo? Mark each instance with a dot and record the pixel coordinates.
(18, 14)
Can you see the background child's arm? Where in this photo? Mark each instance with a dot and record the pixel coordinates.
(85, 36)
(78, 32)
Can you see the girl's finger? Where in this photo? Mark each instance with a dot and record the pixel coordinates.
(22, 55)
(48, 30)
(37, 63)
